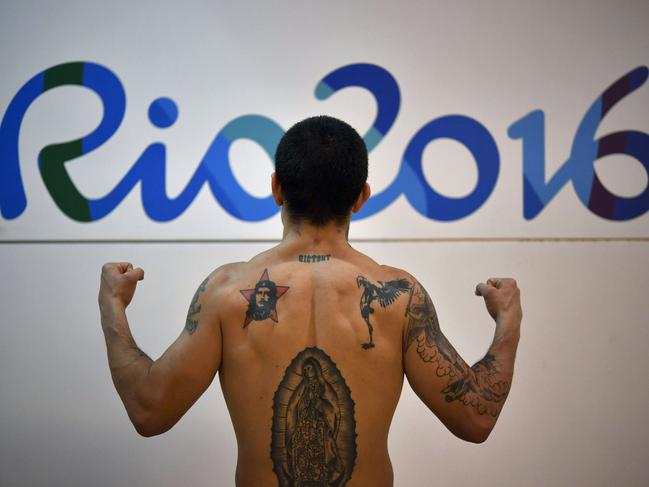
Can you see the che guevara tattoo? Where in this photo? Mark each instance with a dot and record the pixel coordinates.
(383, 292)
(262, 300)
(479, 386)
(314, 430)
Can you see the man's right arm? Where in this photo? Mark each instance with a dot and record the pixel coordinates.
(466, 399)
(156, 394)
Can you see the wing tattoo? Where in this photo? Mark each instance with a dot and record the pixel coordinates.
(391, 290)
(385, 292)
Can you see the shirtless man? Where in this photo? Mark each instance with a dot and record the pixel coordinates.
(312, 338)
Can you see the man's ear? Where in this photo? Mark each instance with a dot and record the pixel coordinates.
(278, 194)
(362, 198)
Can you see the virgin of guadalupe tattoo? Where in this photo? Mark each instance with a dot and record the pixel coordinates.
(314, 431)
(385, 292)
(262, 299)
(478, 386)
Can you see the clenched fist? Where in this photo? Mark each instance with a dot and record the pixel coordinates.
(502, 298)
(118, 281)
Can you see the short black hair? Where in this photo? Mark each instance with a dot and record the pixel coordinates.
(321, 165)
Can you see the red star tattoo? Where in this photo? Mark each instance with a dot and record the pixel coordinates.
(262, 299)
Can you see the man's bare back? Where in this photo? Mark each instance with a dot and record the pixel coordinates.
(311, 340)
(332, 422)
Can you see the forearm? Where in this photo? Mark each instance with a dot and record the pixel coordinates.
(482, 389)
(492, 376)
(129, 366)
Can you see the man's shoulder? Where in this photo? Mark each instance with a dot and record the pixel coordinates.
(386, 273)
(368, 265)
(395, 272)
(224, 276)
(231, 276)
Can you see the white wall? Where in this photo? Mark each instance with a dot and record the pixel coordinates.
(576, 414)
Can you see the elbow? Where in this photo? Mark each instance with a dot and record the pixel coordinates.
(147, 413)
(148, 418)
(147, 424)
(146, 430)
(478, 436)
(476, 430)
(144, 425)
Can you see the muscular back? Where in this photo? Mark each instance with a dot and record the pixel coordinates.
(310, 399)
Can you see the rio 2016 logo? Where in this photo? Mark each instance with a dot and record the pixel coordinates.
(214, 169)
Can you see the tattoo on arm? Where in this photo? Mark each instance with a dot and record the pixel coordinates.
(311, 258)
(191, 323)
(385, 293)
(479, 386)
(314, 430)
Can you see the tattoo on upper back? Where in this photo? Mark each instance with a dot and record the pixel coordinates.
(191, 323)
(262, 300)
(314, 430)
(385, 292)
(312, 258)
(479, 386)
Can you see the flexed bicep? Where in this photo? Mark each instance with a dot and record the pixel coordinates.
(423, 332)
(185, 370)
(454, 391)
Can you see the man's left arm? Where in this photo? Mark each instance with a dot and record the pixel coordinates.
(156, 394)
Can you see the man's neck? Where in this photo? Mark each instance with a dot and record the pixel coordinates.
(304, 237)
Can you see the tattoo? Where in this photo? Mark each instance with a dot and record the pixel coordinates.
(262, 300)
(308, 259)
(314, 430)
(478, 386)
(191, 323)
(385, 292)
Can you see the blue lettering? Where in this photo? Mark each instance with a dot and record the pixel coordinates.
(214, 169)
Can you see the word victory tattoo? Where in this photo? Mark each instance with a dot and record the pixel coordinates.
(262, 299)
(311, 258)
(314, 431)
(191, 323)
(385, 292)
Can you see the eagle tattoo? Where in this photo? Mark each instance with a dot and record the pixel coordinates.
(385, 292)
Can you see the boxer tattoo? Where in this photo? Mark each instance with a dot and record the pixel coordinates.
(314, 430)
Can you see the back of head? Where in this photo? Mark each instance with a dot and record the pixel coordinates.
(321, 165)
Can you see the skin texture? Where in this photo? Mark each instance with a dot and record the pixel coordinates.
(309, 398)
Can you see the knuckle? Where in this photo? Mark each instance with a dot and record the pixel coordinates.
(509, 282)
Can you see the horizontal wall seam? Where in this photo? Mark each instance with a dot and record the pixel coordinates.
(351, 240)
